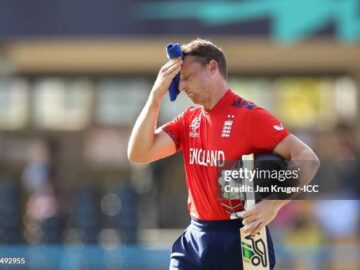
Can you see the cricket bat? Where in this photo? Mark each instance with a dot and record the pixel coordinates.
(254, 248)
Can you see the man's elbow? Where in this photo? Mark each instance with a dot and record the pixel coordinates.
(310, 156)
(316, 162)
(135, 158)
(132, 158)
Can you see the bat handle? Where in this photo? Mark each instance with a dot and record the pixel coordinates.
(237, 215)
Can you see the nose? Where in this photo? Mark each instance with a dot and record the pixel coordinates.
(182, 85)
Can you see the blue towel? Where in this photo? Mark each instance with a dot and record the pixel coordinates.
(173, 50)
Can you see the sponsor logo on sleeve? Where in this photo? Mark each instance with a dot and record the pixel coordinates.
(278, 127)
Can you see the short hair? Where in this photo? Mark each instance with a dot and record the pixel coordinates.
(206, 51)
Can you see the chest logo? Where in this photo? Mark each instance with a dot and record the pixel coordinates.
(226, 131)
(194, 127)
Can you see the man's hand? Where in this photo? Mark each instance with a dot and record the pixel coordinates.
(165, 76)
(291, 148)
(256, 218)
(147, 143)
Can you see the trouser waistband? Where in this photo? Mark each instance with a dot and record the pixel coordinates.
(216, 224)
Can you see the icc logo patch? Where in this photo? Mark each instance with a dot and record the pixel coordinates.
(194, 127)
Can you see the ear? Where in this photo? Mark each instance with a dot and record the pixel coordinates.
(213, 66)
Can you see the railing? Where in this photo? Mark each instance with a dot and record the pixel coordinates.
(142, 258)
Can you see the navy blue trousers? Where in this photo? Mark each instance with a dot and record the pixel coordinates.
(211, 245)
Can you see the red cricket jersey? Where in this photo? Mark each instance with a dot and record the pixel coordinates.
(234, 127)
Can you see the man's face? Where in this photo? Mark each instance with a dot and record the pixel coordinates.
(194, 80)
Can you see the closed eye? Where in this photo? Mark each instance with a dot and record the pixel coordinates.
(184, 77)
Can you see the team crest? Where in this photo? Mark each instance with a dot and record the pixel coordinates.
(194, 127)
(226, 131)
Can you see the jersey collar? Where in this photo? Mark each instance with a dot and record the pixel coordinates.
(221, 103)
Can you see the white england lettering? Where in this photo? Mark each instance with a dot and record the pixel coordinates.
(213, 158)
(193, 155)
(204, 157)
(221, 158)
(208, 158)
(201, 159)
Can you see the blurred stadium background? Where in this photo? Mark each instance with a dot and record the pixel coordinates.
(74, 76)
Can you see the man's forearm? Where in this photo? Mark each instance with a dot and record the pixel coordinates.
(143, 134)
(307, 163)
(144, 144)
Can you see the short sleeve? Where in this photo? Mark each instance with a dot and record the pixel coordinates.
(175, 129)
(265, 131)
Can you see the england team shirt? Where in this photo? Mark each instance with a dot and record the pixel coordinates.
(232, 128)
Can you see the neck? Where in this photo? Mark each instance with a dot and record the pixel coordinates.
(217, 92)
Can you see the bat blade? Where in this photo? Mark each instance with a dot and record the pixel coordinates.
(254, 249)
